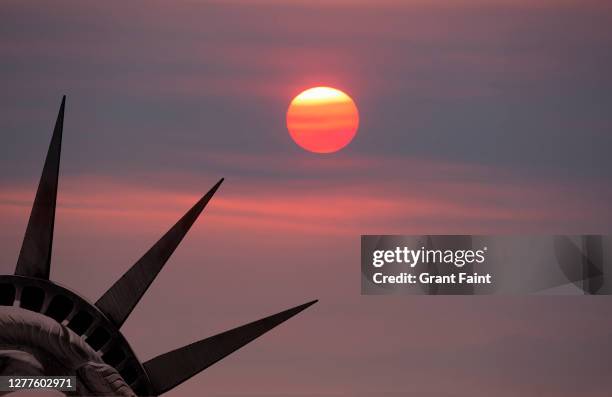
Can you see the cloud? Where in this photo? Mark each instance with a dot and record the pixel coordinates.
(324, 196)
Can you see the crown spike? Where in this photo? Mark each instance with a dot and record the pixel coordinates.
(35, 254)
(175, 367)
(118, 302)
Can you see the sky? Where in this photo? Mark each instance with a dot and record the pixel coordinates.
(475, 117)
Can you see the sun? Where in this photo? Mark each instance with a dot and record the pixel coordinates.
(322, 119)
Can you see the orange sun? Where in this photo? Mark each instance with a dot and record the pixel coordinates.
(322, 119)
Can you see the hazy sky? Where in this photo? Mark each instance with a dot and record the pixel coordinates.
(476, 116)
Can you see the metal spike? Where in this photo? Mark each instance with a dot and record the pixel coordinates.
(118, 302)
(35, 255)
(173, 368)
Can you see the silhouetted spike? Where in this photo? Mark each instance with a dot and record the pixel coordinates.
(35, 255)
(173, 368)
(119, 301)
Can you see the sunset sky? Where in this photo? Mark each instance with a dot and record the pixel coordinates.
(475, 117)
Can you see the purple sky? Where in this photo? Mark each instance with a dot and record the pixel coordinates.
(476, 117)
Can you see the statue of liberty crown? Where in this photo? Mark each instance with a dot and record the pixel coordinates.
(99, 324)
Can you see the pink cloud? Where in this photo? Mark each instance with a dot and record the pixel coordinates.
(440, 203)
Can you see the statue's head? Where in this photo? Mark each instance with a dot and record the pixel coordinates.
(48, 330)
(32, 344)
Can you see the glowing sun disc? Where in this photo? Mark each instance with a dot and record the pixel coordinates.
(322, 119)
